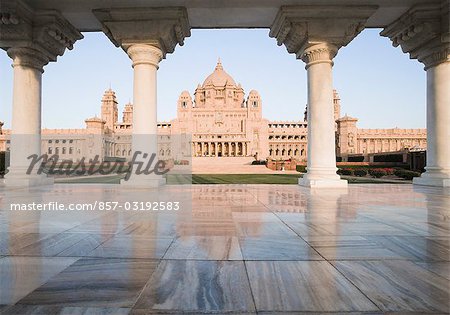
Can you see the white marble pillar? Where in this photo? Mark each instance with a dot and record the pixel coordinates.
(145, 60)
(438, 127)
(28, 67)
(321, 167)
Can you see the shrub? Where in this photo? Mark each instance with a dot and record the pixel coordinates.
(405, 174)
(345, 171)
(2, 163)
(300, 168)
(259, 162)
(377, 172)
(360, 172)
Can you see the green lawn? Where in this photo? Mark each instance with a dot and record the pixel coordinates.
(287, 179)
(235, 179)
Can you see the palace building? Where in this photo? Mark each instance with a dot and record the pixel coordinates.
(221, 120)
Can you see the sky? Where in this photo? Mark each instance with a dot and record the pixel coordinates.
(378, 83)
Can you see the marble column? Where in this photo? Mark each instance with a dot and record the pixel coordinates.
(321, 166)
(28, 67)
(423, 32)
(438, 127)
(315, 36)
(145, 60)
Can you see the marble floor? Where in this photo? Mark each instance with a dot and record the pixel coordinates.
(228, 249)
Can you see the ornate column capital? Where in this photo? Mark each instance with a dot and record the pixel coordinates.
(144, 54)
(46, 31)
(319, 53)
(301, 27)
(160, 27)
(423, 32)
(28, 57)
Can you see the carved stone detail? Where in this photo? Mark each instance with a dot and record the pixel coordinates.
(160, 27)
(144, 54)
(28, 57)
(319, 53)
(423, 32)
(299, 27)
(46, 32)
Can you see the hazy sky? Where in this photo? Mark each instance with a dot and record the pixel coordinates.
(378, 84)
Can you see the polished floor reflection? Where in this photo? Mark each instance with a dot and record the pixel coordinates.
(234, 249)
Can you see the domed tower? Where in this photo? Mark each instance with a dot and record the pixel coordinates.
(95, 125)
(184, 104)
(127, 114)
(219, 90)
(337, 105)
(254, 105)
(110, 112)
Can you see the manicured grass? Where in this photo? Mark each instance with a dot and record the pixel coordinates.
(114, 179)
(173, 179)
(235, 179)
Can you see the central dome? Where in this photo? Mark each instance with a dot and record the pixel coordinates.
(219, 77)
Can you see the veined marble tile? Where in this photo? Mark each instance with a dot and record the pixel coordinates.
(21, 275)
(205, 248)
(254, 217)
(52, 245)
(132, 247)
(416, 247)
(100, 228)
(86, 245)
(332, 313)
(324, 239)
(352, 250)
(308, 229)
(197, 286)
(363, 229)
(11, 243)
(58, 310)
(95, 283)
(209, 228)
(423, 228)
(159, 312)
(155, 228)
(277, 248)
(399, 285)
(440, 268)
(307, 286)
(263, 229)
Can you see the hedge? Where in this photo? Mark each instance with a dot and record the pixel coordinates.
(2, 163)
(345, 171)
(360, 172)
(300, 168)
(259, 162)
(408, 175)
(377, 172)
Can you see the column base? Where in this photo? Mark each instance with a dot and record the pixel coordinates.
(431, 181)
(332, 181)
(12, 180)
(137, 182)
